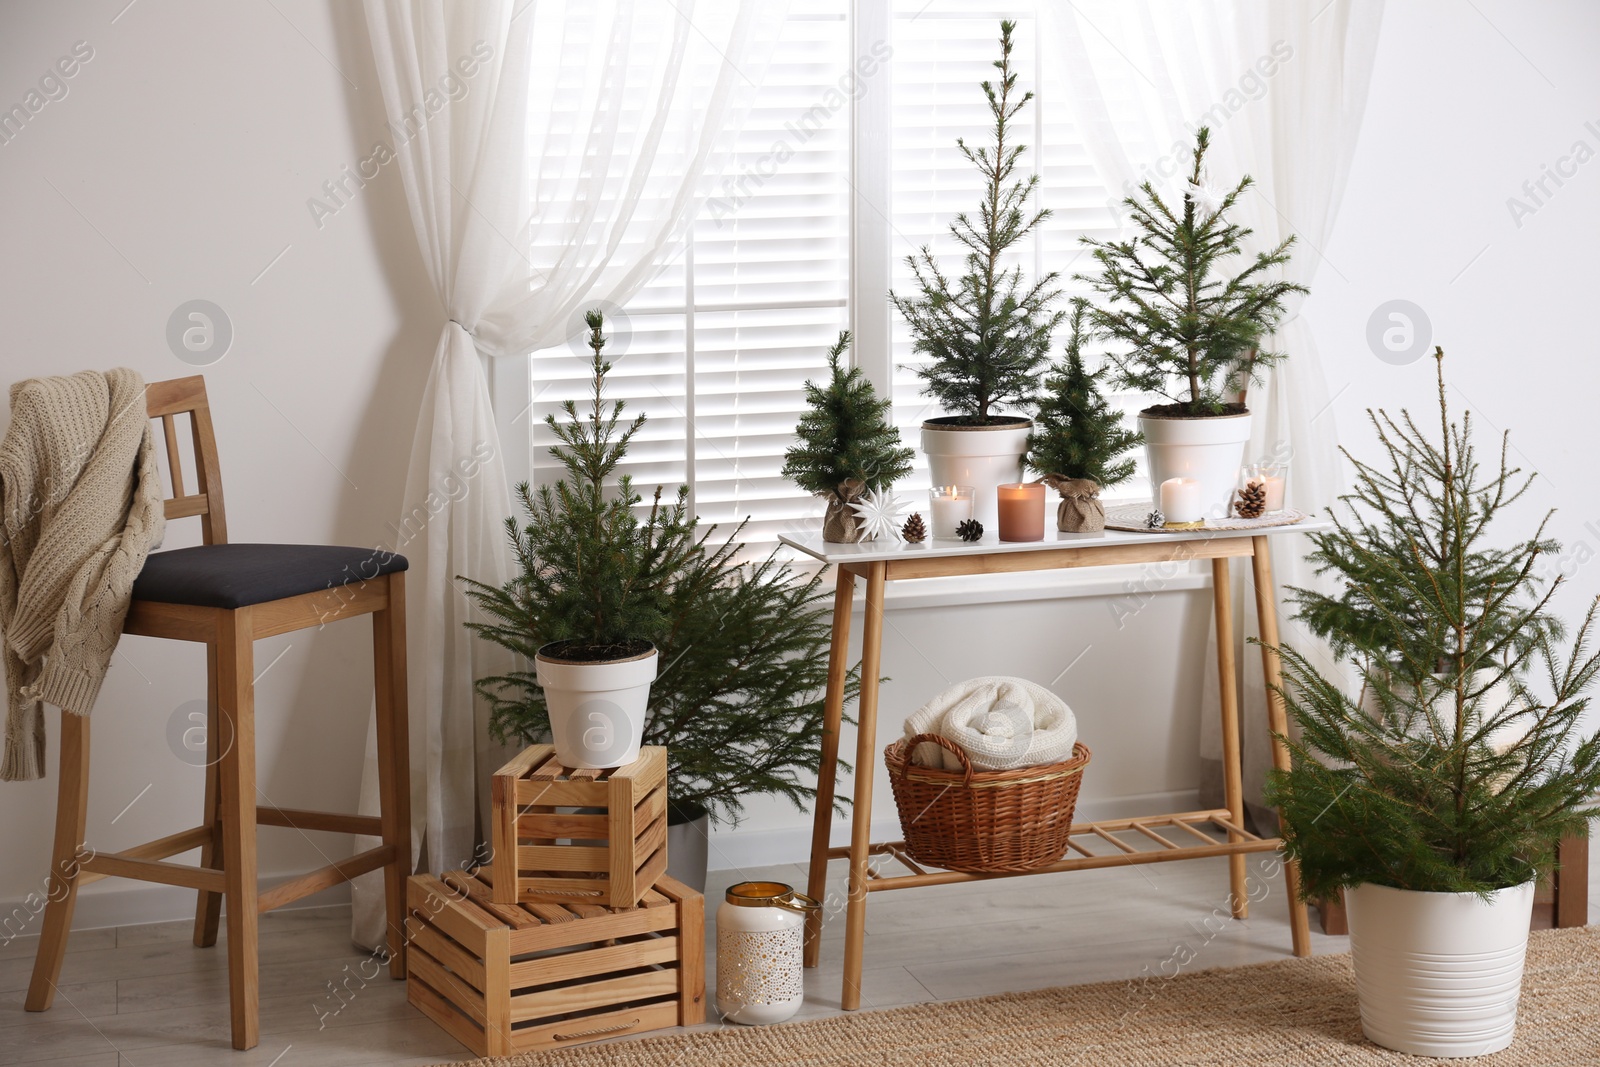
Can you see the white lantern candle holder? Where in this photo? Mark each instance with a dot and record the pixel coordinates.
(761, 952)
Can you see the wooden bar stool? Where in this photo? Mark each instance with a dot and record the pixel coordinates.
(228, 596)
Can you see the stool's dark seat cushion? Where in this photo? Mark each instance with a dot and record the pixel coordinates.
(235, 576)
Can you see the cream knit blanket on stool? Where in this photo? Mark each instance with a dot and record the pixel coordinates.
(80, 508)
(999, 722)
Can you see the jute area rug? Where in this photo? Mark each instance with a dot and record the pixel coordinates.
(1293, 1013)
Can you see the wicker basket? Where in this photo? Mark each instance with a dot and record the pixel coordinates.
(983, 821)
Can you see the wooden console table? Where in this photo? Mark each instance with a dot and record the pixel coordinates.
(880, 564)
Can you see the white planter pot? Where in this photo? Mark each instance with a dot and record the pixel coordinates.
(688, 851)
(1439, 974)
(1207, 450)
(597, 709)
(980, 456)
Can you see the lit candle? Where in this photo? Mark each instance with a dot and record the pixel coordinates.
(1180, 501)
(1022, 511)
(950, 506)
(1274, 483)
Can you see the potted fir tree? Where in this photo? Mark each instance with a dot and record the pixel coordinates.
(986, 332)
(738, 701)
(1436, 801)
(1186, 329)
(1078, 440)
(846, 446)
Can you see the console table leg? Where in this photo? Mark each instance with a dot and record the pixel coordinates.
(855, 929)
(1232, 760)
(828, 767)
(1277, 720)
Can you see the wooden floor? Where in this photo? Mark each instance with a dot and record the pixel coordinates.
(144, 995)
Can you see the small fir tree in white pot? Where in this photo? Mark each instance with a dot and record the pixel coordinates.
(986, 332)
(1184, 328)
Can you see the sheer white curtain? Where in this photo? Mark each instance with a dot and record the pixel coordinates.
(1283, 88)
(552, 155)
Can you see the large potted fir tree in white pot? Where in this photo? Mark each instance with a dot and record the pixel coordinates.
(1183, 328)
(1434, 801)
(986, 333)
(742, 643)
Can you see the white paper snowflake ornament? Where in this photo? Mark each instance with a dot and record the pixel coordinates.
(878, 512)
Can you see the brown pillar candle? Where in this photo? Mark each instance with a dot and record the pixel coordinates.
(1021, 511)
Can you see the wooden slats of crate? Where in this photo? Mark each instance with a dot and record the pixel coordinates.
(515, 978)
(547, 850)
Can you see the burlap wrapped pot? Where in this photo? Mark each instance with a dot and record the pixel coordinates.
(1080, 510)
(840, 525)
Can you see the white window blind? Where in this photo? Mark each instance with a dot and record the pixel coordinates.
(943, 50)
(716, 348)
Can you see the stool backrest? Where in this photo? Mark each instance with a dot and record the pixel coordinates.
(181, 396)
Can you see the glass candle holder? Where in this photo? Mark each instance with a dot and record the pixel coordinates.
(1274, 476)
(1021, 511)
(949, 506)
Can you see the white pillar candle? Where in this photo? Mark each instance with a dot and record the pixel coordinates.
(1274, 483)
(1180, 500)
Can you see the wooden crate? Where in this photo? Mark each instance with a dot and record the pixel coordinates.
(544, 852)
(508, 978)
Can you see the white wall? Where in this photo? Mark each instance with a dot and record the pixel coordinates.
(192, 140)
(178, 166)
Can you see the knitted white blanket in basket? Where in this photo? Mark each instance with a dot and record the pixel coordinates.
(999, 722)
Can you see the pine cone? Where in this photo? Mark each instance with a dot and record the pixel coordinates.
(969, 530)
(1252, 501)
(1155, 520)
(914, 531)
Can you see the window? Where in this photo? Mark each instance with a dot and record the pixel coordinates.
(717, 347)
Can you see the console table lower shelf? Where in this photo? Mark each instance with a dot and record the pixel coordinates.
(1103, 843)
(1153, 847)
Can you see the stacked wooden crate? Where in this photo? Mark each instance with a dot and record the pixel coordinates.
(573, 933)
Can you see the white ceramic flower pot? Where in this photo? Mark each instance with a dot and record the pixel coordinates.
(597, 709)
(1439, 974)
(980, 456)
(1207, 450)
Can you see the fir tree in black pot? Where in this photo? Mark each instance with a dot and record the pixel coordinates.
(845, 445)
(1435, 799)
(742, 646)
(1184, 327)
(1078, 441)
(985, 332)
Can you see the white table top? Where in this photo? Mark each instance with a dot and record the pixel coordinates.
(866, 552)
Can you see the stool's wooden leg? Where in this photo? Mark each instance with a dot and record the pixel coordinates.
(208, 909)
(1232, 760)
(394, 760)
(72, 809)
(855, 928)
(236, 706)
(828, 767)
(1278, 721)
